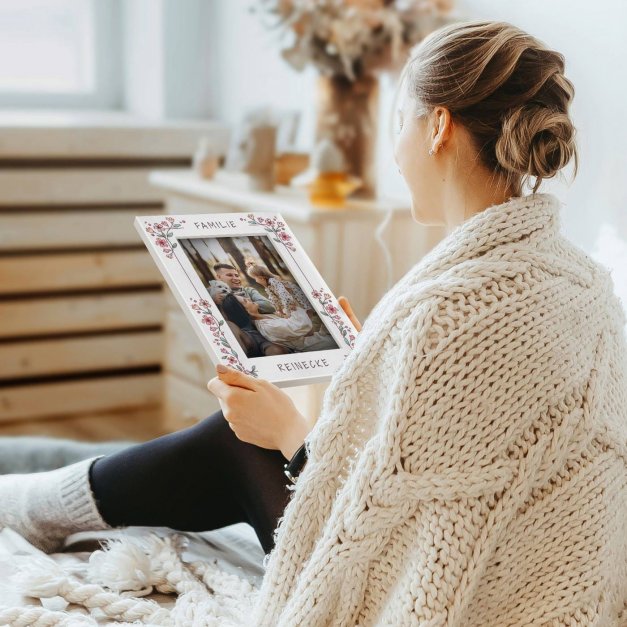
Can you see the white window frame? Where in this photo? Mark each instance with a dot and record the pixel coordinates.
(108, 83)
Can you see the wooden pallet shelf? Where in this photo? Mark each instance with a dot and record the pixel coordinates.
(81, 302)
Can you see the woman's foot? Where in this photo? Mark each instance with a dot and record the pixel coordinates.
(46, 507)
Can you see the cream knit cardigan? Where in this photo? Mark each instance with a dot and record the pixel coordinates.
(469, 466)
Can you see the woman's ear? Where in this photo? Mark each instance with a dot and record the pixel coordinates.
(442, 125)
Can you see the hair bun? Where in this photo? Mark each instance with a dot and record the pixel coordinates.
(535, 139)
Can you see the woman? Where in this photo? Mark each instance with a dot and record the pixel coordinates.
(294, 330)
(468, 465)
(286, 296)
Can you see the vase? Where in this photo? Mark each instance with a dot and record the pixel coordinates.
(346, 113)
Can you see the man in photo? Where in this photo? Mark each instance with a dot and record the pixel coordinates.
(230, 275)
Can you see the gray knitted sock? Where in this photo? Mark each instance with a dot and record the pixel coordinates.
(46, 507)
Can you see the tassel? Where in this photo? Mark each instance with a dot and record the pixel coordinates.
(123, 565)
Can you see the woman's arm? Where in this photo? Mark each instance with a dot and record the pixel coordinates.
(265, 305)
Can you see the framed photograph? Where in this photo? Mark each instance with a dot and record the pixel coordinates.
(251, 293)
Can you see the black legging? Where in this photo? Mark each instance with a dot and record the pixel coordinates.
(196, 479)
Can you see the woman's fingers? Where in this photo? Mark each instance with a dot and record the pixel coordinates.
(218, 388)
(236, 377)
(226, 386)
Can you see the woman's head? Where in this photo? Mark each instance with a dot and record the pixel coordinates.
(251, 307)
(261, 274)
(491, 103)
(235, 311)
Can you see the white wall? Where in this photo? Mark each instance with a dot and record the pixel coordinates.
(248, 69)
(168, 56)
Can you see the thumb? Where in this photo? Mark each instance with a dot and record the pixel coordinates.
(345, 305)
(235, 377)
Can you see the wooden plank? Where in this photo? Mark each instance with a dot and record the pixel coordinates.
(48, 316)
(79, 354)
(135, 424)
(75, 271)
(58, 134)
(178, 203)
(67, 398)
(57, 230)
(184, 354)
(185, 403)
(60, 186)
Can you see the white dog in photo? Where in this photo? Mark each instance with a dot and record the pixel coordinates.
(218, 287)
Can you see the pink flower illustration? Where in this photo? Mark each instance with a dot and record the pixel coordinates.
(206, 312)
(331, 311)
(274, 226)
(162, 232)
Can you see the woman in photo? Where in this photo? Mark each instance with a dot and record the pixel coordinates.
(285, 295)
(469, 464)
(294, 331)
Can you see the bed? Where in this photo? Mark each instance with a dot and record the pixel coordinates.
(234, 550)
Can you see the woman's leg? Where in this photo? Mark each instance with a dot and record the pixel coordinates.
(195, 479)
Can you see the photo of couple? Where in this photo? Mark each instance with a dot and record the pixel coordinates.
(257, 295)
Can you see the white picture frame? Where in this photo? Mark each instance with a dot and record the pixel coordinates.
(177, 244)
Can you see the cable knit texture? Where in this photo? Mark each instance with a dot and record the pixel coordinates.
(469, 464)
(468, 467)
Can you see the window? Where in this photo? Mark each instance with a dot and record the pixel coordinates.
(59, 53)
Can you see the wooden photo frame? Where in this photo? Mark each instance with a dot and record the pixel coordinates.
(251, 293)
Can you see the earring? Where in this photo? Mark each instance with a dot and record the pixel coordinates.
(430, 151)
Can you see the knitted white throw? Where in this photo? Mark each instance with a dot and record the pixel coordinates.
(469, 466)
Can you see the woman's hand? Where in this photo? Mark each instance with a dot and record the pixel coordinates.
(259, 412)
(345, 305)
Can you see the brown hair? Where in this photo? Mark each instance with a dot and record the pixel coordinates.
(254, 270)
(506, 88)
(219, 266)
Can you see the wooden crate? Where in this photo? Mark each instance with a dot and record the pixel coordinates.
(81, 302)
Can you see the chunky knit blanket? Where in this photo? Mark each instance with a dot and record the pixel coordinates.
(469, 466)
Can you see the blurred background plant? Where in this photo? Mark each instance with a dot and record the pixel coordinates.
(351, 38)
(350, 42)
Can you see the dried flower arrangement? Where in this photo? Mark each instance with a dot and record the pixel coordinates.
(351, 38)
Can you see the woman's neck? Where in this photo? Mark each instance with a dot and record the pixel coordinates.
(461, 203)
